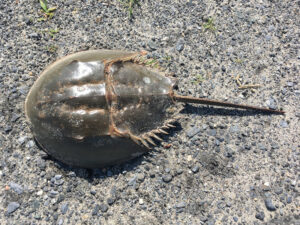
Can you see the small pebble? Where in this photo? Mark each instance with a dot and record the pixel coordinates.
(193, 131)
(16, 188)
(132, 181)
(58, 176)
(167, 178)
(289, 199)
(140, 178)
(103, 207)
(269, 204)
(180, 205)
(195, 169)
(283, 124)
(223, 68)
(53, 193)
(271, 103)
(212, 132)
(60, 221)
(152, 45)
(64, 208)
(234, 129)
(95, 210)
(12, 206)
(110, 201)
(260, 215)
(180, 45)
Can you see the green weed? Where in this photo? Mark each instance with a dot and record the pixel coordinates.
(52, 32)
(198, 79)
(209, 25)
(52, 48)
(238, 60)
(129, 4)
(48, 12)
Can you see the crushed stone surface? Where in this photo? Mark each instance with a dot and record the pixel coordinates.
(219, 166)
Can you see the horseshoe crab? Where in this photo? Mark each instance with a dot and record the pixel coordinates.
(100, 107)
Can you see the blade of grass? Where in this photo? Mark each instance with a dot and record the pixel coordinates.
(44, 6)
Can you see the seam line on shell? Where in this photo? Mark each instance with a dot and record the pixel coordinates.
(111, 97)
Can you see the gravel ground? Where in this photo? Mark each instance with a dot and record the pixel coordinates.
(220, 166)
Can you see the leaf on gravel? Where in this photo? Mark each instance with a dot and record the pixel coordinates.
(52, 9)
(43, 4)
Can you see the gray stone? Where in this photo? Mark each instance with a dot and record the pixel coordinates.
(95, 210)
(33, 35)
(58, 176)
(59, 182)
(30, 144)
(110, 200)
(14, 117)
(268, 37)
(22, 140)
(64, 208)
(212, 132)
(289, 199)
(283, 124)
(7, 128)
(260, 215)
(271, 103)
(103, 208)
(16, 188)
(193, 131)
(60, 221)
(278, 191)
(53, 193)
(152, 45)
(234, 129)
(180, 205)
(140, 177)
(269, 204)
(132, 181)
(195, 169)
(167, 178)
(180, 45)
(262, 147)
(167, 170)
(12, 207)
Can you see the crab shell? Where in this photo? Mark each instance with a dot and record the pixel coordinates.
(97, 108)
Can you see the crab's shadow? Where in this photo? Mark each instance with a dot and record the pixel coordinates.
(215, 111)
(94, 175)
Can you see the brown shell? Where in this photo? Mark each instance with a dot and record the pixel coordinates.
(97, 108)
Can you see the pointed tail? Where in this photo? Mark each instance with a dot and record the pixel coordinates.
(205, 101)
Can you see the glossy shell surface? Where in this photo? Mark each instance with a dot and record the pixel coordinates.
(97, 108)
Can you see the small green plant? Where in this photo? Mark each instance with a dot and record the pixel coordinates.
(52, 48)
(238, 60)
(209, 25)
(52, 32)
(150, 62)
(198, 79)
(48, 12)
(167, 58)
(129, 4)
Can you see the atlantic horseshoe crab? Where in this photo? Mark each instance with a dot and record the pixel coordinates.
(100, 107)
